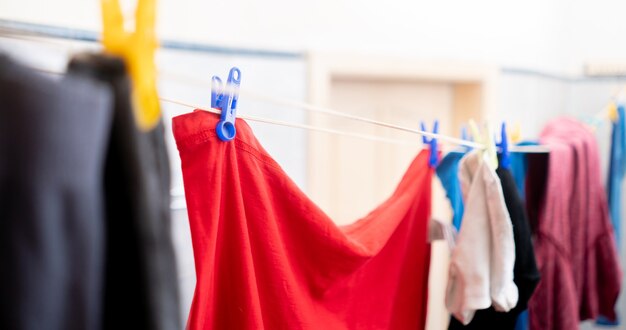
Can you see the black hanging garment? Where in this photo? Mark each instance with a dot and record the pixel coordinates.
(141, 279)
(526, 275)
(53, 135)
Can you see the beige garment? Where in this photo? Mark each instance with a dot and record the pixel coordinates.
(481, 267)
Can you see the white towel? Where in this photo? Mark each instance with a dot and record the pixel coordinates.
(481, 267)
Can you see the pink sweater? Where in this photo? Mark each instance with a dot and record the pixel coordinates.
(574, 244)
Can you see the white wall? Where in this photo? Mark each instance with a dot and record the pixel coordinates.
(595, 31)
(556, 36)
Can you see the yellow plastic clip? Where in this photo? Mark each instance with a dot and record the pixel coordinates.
(137, 49)
(490, 143)
(612, 112)
(486, 139)
(475, 131)
(516, 133)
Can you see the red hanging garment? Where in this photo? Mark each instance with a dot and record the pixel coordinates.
(574, 240)
(268, 258)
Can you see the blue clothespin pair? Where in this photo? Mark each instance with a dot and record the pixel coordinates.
(226, 101)
(505, 159)
(433, 159)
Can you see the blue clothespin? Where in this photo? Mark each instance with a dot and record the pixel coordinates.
(226, 100)
(505, 159)
(465, 136)
(433, 159)
(216, 92)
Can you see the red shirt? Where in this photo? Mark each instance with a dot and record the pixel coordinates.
(574, 243)
(268, 258)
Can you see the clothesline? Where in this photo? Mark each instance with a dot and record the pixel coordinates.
(295, 125)
(321, 110)
(269, 121)
(312, 108)
(331, 112)
(31, 37)
(522, 149)
(317, 109)
(283, 123)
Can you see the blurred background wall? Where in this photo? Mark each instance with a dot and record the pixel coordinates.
(538, 50)
(556, 36)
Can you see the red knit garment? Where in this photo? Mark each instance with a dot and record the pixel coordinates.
(574, 243)
(268, 258)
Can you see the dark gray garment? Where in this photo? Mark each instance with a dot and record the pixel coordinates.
(52, 146)
(141, 289)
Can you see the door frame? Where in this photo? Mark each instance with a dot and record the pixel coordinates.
(474, 87)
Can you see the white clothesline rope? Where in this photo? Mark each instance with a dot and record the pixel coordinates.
(315, 128)
(327, 111)
(313, 108)
(295, 125)
(266, 120)
(18, 34)
(310, 108)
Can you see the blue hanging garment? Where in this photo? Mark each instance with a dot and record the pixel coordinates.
(617, 169)
(447, 171)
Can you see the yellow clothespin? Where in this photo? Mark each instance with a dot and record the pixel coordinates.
(475, 131)
(490, 144)
(516, 133)
(137, 49)
(611, 109)
(486, 138)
